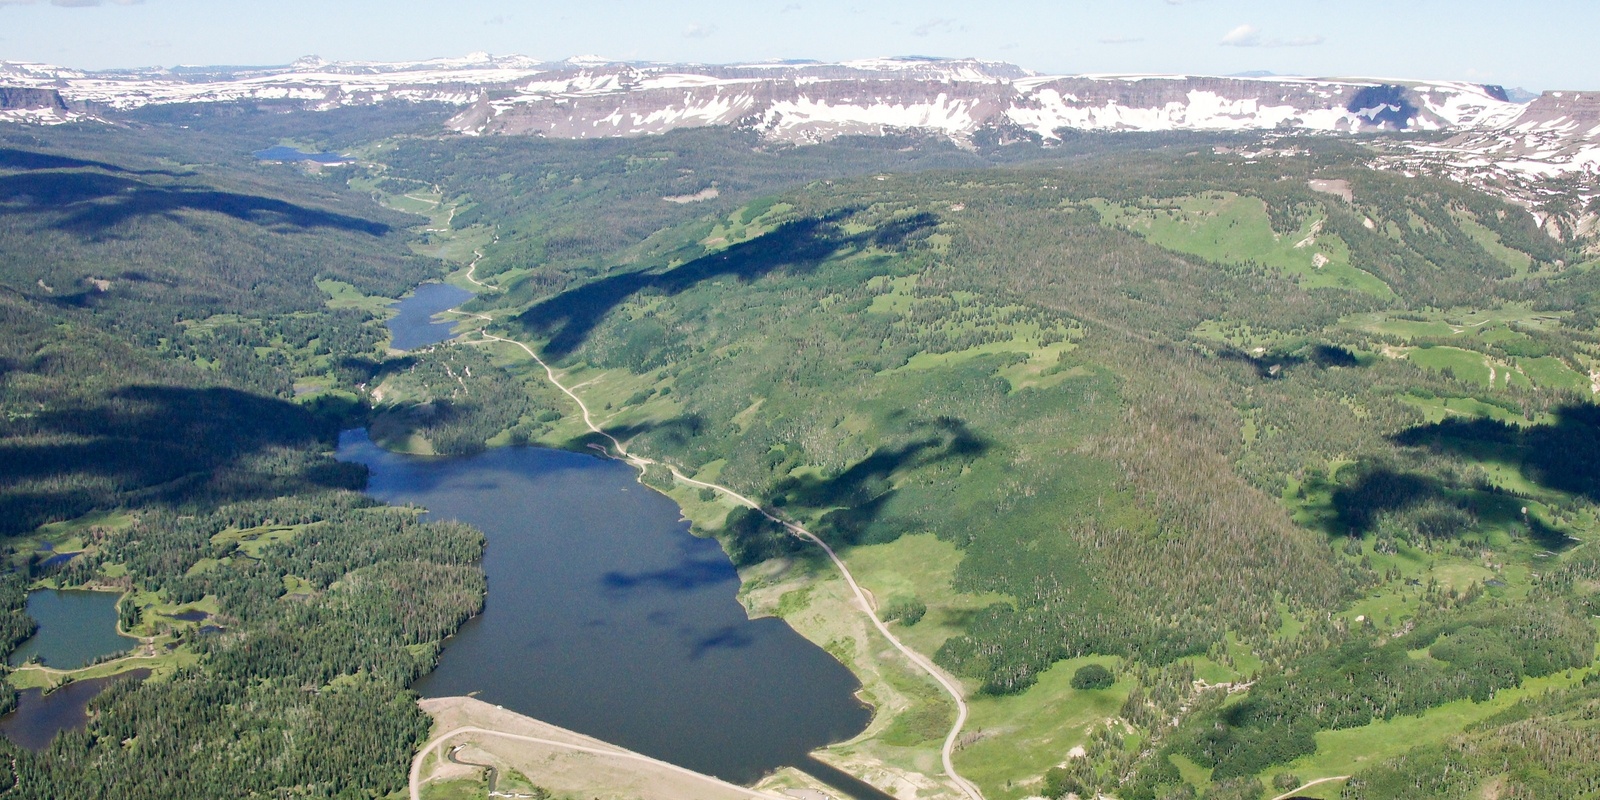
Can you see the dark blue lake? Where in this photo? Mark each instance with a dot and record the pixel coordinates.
(75, 628)
(40, 717)
(417, 321)
(606, 616)
(282, 153)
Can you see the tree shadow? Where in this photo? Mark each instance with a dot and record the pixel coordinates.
(94, 202)
(800, 245)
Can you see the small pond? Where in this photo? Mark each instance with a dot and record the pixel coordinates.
(39, 717)
(58, 559)
(418, 322)
(75, 628)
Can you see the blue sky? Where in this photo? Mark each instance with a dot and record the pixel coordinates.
(1536, 44)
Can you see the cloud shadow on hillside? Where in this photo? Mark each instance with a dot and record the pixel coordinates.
(798, 246)
(94, 203)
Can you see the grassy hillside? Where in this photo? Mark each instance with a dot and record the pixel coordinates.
(1151, 428)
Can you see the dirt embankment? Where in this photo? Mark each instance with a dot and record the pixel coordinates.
(556, 759)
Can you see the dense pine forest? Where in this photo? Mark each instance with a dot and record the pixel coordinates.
(1234, 481)
(173, 381)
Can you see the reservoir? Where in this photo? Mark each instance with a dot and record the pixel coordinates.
(75, 628)
(606, 616)
(414, 324)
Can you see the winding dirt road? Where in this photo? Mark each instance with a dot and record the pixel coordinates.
(472, 273)
(1319, 781)
(922, 662)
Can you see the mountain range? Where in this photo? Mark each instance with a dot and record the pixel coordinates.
(1543, 154)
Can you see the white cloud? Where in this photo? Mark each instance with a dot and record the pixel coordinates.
(699, 31)
(1250, 36)
(1243, 36)
(939, 25)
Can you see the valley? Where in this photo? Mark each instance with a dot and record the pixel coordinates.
(634, 408)
(1191, 463)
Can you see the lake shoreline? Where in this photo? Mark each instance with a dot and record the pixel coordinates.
(601, 588)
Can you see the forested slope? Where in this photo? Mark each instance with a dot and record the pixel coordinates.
(173, 381)
(1301, 451)
(1197, 411)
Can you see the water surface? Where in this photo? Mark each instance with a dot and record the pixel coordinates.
(282, 153)
(75, 628)
(606, 616)
(39, 717)
(415, 325)
(58, 559)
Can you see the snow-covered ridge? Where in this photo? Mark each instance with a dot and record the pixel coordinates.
(1547, 157)
(1512, 148)
(591, 95)
(456, 81)
(807, 102)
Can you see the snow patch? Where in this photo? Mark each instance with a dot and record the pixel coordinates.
(697, 197)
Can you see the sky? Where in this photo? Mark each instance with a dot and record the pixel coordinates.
(1533, 44)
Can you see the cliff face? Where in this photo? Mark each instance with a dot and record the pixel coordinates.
(31, 99)
(795, 101)
(811, 103)
(1546, 157)
(35, 105)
